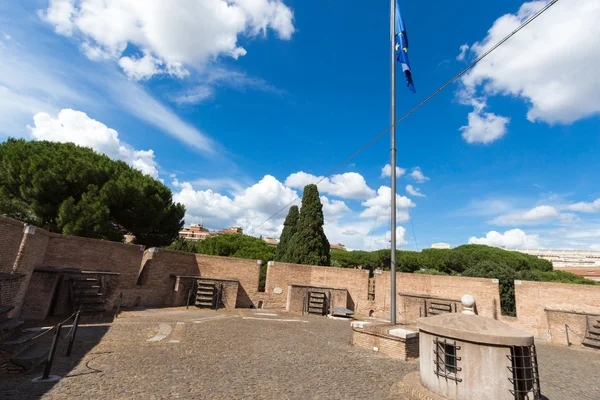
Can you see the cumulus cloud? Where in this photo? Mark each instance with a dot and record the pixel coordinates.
(162, 30)
(384, 241)
(484, 127)
(386, 171)
(537, 215)
(350, 185)
(379, 206)
(512, 239)
(418, 175)
(551, 64)
(248, 209)
(76, 127)
(414, 191)
(584, 207)
(333, 208)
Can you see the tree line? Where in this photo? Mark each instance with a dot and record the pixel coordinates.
(73, 190)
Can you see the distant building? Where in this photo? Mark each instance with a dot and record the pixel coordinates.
(199, 232)
(272, 242)
(233, 230)
(338, 246)
(584, 263)
(440, 246)
(194, 232)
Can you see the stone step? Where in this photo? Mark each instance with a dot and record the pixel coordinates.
(592, 343)
(205, 292)
(317, 301)
(204, 304)
(10, 324)
(21, 338)
(91, 309)
(317, 294)
(32, 356)
(594, 332)
(4, 310)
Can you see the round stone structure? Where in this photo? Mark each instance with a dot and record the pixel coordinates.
(465, 356)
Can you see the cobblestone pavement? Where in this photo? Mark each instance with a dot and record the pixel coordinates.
(258, 354)
(208, 355)
(569, 373)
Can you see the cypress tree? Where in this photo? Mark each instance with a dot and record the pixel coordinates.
(309, 245)
(289, 228)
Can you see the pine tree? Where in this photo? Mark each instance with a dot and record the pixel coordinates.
(309, 245)
(289, 228)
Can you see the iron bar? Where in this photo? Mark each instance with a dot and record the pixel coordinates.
(48, 365)
(72, 338)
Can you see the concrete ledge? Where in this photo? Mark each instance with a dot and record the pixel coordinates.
(415, 390)
(379, 338)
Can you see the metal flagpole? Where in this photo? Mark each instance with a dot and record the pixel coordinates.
(393, 158)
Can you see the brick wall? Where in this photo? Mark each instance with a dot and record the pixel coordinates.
(402, 349)
(281, 275)
(485, 291)
(42, 286)
(11, 233)
(534, 297)
(87, 254)
(559, 322)
(10, 285)
(297, 297)
(245, 271)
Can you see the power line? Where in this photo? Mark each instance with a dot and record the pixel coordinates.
(432, 95)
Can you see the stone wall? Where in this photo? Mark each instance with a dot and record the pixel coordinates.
(38, 297)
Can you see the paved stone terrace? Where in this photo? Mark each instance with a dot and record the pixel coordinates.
(250, 355)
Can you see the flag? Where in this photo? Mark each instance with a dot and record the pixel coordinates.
(402, 48)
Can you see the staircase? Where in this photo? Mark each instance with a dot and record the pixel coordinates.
(86, 293)
(592, 334)
(206, 295)
(317, 303)
(17, 351)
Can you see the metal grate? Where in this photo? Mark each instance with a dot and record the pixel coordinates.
(525, 375)
(446, 359)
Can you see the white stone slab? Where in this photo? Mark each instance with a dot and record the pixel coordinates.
(359, 324)
(402, 333)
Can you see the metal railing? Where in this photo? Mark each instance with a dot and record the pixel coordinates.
(57, 336)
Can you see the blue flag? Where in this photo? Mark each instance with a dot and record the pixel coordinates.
(402, 48)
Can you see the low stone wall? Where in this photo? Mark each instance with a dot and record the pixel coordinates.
(377, 338)
(566, 322)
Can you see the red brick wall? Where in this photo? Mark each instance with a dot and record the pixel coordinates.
(39, 295)
(283, 274)
(245, 271)
(534, 297)
(9, 289)
(11, 233)
(402, 349)
(485, 291)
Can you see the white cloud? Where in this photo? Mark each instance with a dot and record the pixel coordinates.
(350, 185)
(512, 239)
(221, 77)
(379, 206)
(33, 79)
(384, 241)
(414, 191)
(333, 208)
(551, 64)
(140, 68)
(386, 171)
(76, 127)
(247, 209)
(418, 175)
(463, 52)
(163, 29)
(484, 127)
(537, 215)
(584, 207)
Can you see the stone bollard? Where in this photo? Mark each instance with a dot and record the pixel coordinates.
(468, 302)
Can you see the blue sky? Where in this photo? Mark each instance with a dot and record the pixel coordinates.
(237, 105)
